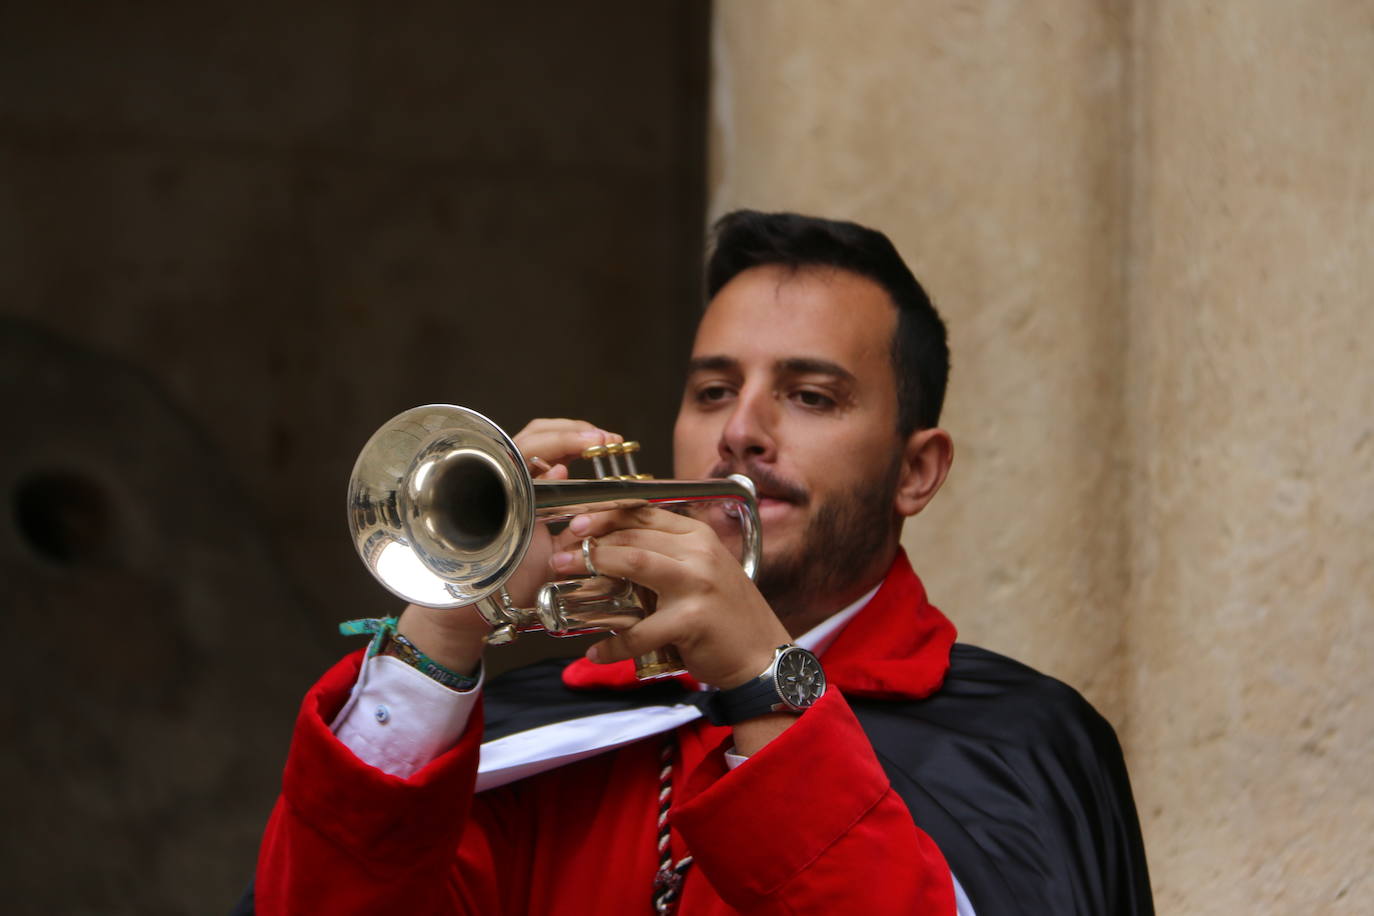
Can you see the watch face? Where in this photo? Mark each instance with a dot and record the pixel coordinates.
(800, 678)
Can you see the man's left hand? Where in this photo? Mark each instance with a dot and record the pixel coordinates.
(707, 607)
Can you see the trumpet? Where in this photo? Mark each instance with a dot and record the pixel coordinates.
(444, 512)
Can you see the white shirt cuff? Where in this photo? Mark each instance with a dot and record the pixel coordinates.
(398, 719)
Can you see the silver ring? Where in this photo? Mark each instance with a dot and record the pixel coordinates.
(587, 544)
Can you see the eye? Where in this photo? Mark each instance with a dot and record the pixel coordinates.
(712, 394)
(812, 399)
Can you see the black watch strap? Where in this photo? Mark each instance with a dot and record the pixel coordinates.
(758, 696)
(727, 707)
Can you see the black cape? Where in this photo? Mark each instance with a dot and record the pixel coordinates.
(1015, 777)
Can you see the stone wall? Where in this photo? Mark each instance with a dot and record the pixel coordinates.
(1251, 413)
(234, 239)
(1149, 226)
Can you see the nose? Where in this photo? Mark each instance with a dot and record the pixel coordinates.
(749, 433)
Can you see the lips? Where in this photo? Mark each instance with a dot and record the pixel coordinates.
(773, 510)
(768, 487)
(766, 504)
(769, 502)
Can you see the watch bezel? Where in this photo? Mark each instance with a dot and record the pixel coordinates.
(788, 657)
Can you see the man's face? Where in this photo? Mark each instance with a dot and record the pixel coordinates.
(791, 383)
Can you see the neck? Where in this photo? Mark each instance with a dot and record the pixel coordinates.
(802, 606)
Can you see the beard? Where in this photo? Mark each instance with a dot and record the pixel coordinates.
(846, 536)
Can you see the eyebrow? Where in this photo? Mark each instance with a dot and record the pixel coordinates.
(806, 365)
(792, 365)
(711, 364)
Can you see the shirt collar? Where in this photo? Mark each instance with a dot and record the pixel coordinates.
(819, 637)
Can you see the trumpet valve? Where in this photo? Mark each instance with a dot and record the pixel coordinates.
(613, 452)
(610, 454)
(628, 449)
(595, 453)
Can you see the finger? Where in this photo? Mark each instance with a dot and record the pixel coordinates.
(653, 632)
(649, 568)
(605, 652)
(546, 424)
(558, 446)
(616, 623)
(571, 559)
(558, 425)
(596, 524)
(563, 446)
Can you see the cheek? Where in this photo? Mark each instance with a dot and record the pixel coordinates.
(847, 463)
(688, 438)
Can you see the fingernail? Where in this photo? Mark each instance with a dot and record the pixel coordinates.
(594, 653)
(580, 524)
(559, 560)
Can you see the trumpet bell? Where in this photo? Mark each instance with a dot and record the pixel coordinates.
(441, 506)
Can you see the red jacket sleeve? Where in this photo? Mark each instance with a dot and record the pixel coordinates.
(346, 837)
(810, 824)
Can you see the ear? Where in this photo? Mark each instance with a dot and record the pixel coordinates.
(925, 464)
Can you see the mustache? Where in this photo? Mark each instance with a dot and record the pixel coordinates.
(768, 484)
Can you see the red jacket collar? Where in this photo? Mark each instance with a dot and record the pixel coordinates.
(897, 647)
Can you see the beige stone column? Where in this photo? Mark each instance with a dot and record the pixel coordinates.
(1150, 227)
(1251, 411)
(984, 139)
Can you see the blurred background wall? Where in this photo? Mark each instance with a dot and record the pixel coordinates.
(1150, 226)
(236, 238)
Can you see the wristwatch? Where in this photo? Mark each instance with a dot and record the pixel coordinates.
(794, 682)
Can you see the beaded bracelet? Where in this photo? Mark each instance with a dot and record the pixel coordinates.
(386, 641)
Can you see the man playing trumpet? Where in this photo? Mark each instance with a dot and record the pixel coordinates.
(913, 776)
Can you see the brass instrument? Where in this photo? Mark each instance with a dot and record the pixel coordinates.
(443, 510)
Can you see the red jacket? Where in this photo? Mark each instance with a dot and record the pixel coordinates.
(809, 824)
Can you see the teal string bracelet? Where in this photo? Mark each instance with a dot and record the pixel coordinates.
(379, 627)
(386, 641)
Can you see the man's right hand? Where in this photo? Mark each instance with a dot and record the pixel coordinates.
(454, 637)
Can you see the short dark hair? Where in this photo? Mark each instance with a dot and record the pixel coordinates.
(920, 350)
